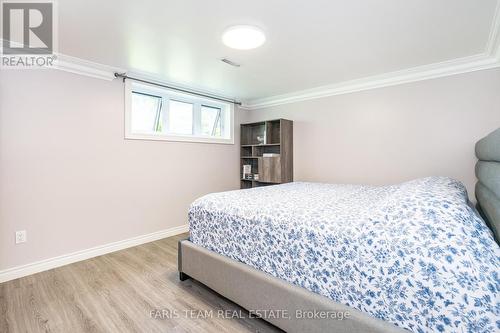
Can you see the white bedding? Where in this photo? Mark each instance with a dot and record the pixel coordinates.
(414, 254)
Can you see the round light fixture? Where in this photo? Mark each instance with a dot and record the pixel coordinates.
(243, 37)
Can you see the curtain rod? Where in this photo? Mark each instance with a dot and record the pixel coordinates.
(192, 92)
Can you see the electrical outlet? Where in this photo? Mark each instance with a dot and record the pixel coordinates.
(20, 236)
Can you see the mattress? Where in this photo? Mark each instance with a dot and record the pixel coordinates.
(413, 254)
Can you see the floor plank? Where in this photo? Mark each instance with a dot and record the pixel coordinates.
(117, 293)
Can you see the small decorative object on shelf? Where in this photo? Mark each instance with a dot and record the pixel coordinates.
(247, 169)
(266, 153)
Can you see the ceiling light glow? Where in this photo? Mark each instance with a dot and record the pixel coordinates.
(243, 37)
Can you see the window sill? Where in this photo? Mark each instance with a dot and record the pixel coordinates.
(178, 138)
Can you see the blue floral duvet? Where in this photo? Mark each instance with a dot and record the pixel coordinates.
(413, 254)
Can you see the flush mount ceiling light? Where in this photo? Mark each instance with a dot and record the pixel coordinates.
(243, 37)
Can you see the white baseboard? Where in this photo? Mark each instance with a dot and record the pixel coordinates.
(43, 265)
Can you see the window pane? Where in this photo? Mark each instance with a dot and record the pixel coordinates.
(180, 117)
(145, 113)
(211, 123)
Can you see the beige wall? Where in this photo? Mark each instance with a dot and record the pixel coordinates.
(393, 134)
(69, 178)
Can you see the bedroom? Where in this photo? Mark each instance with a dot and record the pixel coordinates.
(249, 166)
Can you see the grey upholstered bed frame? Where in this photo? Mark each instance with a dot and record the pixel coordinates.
(488, 184)
(256, 290)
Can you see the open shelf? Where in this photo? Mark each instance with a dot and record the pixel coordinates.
(253, 134)
(267, 137)
(273, 132)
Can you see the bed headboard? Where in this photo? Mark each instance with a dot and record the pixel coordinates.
(488, 185)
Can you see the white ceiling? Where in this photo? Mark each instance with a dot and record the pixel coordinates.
(309, 43)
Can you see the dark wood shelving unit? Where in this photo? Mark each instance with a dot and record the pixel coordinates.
(267, 137)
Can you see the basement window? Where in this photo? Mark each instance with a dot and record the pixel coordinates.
(153, 113)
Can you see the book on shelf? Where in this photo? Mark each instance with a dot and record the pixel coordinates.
(270, 155)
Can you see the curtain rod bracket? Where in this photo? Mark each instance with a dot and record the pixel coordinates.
(122, 75)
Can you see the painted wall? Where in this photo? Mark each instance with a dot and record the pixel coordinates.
(69, 178)
(393, 134)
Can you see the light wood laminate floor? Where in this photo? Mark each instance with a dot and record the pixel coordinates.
(116, 293)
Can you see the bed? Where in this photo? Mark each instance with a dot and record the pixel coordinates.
(314, 257)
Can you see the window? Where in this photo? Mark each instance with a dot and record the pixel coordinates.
(146, 116)
(211, 120)
(180, 117)
(161, 114)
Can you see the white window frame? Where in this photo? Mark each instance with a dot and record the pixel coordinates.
(166, 94)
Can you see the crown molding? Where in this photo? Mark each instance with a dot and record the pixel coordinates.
(420, 73)
(105, 72)
(78, 66)
(451, 67)
(446, 68)
(487, 60)
(490, 58)
(84, 67)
